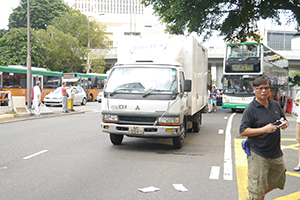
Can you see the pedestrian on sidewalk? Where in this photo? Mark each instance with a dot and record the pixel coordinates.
(37, 99)
(64, 98)
(297, 101)
(266, 168)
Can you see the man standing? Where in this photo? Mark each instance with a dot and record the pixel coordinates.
(266, 168)
(64, 98)
(37, 99)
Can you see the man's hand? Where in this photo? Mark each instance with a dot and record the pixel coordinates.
(270, 128)
(284, 125)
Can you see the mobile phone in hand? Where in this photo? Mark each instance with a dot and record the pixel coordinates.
(279, 122)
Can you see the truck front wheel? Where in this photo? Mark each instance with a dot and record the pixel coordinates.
(178, 141)
(116, 139)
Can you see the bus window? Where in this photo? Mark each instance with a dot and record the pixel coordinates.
(12, 80)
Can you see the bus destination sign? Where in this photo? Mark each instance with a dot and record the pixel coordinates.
(70, 75)
(244, 68)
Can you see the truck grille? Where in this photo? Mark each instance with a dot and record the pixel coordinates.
(136, 120)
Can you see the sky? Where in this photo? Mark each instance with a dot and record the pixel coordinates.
(6, 8)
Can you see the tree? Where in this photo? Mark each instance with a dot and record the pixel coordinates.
(13, 48)
(63, 50)
(76, 24)
(42, 12)
(234, 19)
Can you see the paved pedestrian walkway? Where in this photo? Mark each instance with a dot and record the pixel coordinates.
(45, 112)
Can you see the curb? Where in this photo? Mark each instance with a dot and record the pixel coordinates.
(7, 119)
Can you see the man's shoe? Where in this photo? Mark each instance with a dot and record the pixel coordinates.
(250, 198)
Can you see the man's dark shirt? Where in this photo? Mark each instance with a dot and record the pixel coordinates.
(255, 116)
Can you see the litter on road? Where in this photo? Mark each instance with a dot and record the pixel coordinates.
(149, 189)
(180, 188)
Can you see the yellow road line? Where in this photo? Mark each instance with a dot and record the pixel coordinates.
(241, 166)
(242, 170)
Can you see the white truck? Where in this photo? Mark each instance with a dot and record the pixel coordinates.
(158, 88)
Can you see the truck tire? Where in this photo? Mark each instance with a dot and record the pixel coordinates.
(197, 124)
(116, 139)
(178, 141)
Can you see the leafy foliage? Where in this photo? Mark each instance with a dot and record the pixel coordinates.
(235, 19)
(294, 78)
(62, 50)
(42, 12)
(78, 26)
(13, 48)
(59, 41)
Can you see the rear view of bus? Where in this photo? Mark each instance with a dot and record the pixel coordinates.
(243, 62)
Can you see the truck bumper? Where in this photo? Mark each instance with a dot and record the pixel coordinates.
(141, 131)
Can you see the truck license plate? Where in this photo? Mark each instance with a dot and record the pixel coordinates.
(135, 130)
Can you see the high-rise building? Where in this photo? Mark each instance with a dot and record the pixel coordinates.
(122, 17)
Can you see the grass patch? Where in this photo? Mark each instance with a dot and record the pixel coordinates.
(13, 112)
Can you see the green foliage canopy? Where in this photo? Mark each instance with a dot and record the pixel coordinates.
(235, 19)
(77, 26)
(42, 12)
(13, 48)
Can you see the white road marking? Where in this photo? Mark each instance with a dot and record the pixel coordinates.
(214, 172)
(225, 117)
(227, 153)
(221, 131)
(36, 154)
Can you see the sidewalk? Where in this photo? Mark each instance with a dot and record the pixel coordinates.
(45, 112)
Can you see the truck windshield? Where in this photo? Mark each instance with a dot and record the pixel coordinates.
(142, 80)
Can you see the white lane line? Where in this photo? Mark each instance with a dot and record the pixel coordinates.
(221, 131)
(214, 172)
(36, 154)
(227, 153)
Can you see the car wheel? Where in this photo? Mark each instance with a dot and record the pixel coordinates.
(116, 139)
(83, 101)
(91, 98)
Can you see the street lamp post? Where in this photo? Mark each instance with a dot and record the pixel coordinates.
(88, 55)
(28, 57)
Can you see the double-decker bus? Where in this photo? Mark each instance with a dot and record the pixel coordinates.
(92, 83)
(14, 78)
(243, 62)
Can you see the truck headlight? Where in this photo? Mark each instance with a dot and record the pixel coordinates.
(169, 121)
(110, 118)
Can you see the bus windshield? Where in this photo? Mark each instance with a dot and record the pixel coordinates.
(243, 51)
(238, 84)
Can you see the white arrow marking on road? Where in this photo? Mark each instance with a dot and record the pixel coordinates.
(221, 131)
(36, 154)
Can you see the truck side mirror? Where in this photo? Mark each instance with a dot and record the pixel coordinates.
(188, 85)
